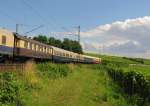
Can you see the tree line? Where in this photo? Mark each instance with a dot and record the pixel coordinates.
(66, 44)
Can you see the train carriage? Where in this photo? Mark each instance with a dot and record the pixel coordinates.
(6, 44)
(21, 47)
(61, 55)
(88, 59)
(32, 49)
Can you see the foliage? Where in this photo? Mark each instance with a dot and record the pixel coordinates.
(41, 38)
(9, 88)
(72, 46)
(84, 86)
(131, 74)
(53, 70)
(54, 42)
(132, 82)
(139, 60)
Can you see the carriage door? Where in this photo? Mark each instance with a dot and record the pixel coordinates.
(16, 46)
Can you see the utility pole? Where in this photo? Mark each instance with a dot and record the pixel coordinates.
(99, 53)
(17, 27)
(79, 34)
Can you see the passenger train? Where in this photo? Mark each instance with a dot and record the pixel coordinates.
(15, 46)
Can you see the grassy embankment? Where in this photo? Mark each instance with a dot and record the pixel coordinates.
(50, 84)
(132, 75)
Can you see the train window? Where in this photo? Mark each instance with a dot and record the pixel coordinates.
(45, 49)
(41, 48)
(31, 46)
(55, 52)
(4, 40)
(25, 44)
(60, 54)
(50, 51)
(35, 47)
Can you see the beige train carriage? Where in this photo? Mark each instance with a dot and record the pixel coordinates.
(27, 47)
(61, 55)
(6, 42)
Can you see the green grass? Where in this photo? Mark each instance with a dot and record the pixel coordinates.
(132, 75)
(126, 63)
(145, 70)
(120, 59)
(83, 87)
(48, 84)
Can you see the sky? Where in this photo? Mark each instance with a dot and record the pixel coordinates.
(116, 27)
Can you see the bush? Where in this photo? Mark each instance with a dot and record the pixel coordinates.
(132, 82)
(9, 88)
(53, 70)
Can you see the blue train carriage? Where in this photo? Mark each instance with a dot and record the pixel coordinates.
(6, 44)
(64, 56)
(29, 48)
(97, 60)
(91, 60)
(88, 59)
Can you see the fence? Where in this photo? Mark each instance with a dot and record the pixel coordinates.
(12, 67)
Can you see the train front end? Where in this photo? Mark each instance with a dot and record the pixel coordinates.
(6, 44)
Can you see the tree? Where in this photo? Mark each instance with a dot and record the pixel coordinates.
(54, 42)
(67, 44)
(71, 45)
(76, 47)
(41, 38)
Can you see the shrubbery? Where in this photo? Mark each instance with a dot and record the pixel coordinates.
(139, 60)
(9, 88)
(132, 82)
(14, 84)
(53, 70)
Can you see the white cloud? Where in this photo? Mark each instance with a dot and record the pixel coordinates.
(128, 37)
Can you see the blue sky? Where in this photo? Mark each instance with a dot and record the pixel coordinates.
(118, 27)
(68, 13)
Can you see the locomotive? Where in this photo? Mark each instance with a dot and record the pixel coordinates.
(16, 46)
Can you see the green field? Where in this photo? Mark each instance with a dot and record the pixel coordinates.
(60, 85)
(118, 81)
(131, 74)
